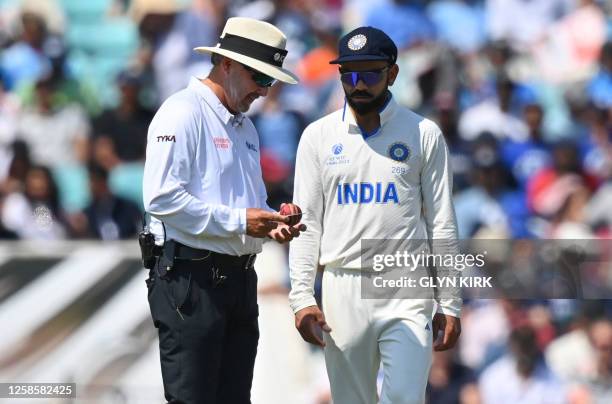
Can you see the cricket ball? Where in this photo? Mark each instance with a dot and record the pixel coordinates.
(293, 211)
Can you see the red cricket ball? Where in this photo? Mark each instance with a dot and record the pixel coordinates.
(293, 211)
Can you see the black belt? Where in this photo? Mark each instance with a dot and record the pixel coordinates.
(184, 252)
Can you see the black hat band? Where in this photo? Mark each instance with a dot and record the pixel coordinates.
(253, 49)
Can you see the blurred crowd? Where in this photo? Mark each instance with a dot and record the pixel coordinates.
(522, 90)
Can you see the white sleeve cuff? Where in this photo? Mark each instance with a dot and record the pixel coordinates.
(302, 303)
(242, 221)
(450, 307)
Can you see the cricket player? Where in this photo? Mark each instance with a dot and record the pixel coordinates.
(372, 170)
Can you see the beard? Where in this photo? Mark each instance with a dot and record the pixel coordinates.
(365, 106)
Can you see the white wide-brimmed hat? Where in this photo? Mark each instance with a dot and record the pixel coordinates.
(254, 43)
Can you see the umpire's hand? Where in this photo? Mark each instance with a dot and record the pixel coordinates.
(450, 327)
(309, 322)
(260, 222)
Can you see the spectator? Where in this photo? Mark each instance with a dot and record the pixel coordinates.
(495, 116)
(596, 146)
(599, 88)
(25, 61)
(598, 213)
(459, 24)
(314, 68)
(521, 376)
(525, 158)
(570, 49)
(490, 206)
(404, 21)
(108, 217)
(9, 112)
(446, 114)
(169, 32)
(35, 214)
(569, 222)
(19, 166)
(279, 129)
(66, 90)
(126, 125)
(521, 22)
(5, 233)
(56, 136)
(450, 382)
(548, 190)
(575, 357)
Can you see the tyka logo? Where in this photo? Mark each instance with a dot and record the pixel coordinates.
(166, 138)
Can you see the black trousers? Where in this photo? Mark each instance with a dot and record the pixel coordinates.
(208, 332)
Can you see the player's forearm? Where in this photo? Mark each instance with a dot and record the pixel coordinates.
(440, 216)
(303, 263)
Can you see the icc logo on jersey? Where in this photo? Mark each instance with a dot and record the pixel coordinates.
(337, 149)
(399, 152)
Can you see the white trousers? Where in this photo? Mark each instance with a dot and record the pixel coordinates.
(368, 331)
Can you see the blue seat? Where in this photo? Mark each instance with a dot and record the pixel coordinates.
(99, 51)
(73, 187)
(83, 11)
(117, 36)
(99, 72)
(125, 181)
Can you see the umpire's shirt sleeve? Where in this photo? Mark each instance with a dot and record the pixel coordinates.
(172, 143)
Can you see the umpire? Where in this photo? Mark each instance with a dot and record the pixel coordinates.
(204, 191)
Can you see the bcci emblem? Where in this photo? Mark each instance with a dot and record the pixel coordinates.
(357, 42)
(337, 149)
(399, 152)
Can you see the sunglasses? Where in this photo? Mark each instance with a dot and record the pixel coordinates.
(261, 79)
(370, 78)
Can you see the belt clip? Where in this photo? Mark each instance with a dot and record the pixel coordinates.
(218, 279)
(250, 261)
(168, 254)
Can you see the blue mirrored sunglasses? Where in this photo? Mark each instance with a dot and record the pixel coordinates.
(261, 79)
(369, 78)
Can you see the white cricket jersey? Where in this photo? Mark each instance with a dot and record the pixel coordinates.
(201, 173)
(394, 184)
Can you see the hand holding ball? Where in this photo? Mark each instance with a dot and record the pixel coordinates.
(293, 211)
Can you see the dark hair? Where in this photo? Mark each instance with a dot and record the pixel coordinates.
(97, 171)
(524, 346)
(53, 199)
(215, 59)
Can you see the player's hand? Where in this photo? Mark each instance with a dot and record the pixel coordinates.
(446, 330)
(310, 321)
(284, 234)
(260, 222)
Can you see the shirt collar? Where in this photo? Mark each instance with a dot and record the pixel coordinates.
(386, 114)
(213, 101)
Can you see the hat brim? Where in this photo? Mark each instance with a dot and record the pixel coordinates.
(273, 71)
(358, 58)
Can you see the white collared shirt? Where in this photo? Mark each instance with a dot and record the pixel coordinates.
(393, 184)
(201, 173)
